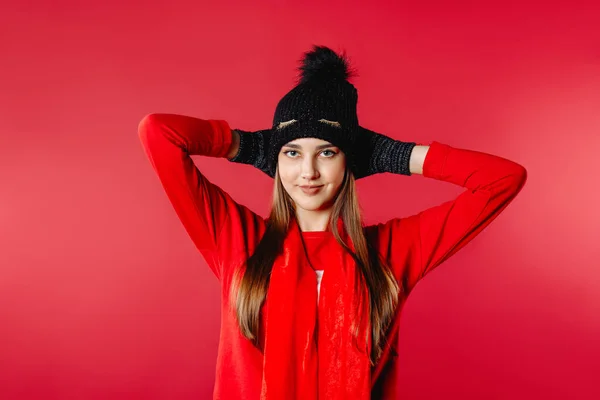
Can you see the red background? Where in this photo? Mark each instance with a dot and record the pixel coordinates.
(102, 294)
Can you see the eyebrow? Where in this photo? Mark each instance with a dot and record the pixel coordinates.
(297, 146)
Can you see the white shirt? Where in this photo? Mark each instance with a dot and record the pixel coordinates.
(319, 277)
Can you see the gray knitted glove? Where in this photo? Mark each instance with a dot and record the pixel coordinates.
(253, 149)
(378, 153)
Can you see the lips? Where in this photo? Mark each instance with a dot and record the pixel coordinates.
(311, 189)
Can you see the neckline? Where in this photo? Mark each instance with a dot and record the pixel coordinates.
(316, 234)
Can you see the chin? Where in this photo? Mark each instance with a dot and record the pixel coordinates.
(308, 203)
(311, 204)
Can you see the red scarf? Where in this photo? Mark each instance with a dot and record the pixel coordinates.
(303, 360)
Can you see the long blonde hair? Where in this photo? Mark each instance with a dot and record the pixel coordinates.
(383, 290)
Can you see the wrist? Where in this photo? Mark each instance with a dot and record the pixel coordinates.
(417, 159)
(235, 145)
(244, 151)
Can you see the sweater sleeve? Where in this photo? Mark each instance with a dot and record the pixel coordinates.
(418, 244)
(203, 207)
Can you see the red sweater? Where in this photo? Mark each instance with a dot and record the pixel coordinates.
(226, 232)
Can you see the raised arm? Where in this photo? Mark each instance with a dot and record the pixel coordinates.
(416, 245)
(208, 213)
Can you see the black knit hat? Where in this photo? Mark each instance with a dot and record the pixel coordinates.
(322, 105)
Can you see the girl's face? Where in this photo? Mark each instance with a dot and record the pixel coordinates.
(311, 162)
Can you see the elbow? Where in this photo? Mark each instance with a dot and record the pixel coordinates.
(147, 123)
(517, 179)
(521, 176)
(151, 128)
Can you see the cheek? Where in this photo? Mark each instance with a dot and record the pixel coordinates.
(335, 174)
(284, 174)
(282, 166)
(287, 171)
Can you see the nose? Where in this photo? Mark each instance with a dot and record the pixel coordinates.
(309, 171)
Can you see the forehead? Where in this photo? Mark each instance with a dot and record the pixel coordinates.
(308, 143)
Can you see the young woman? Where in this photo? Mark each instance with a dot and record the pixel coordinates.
(311, 298)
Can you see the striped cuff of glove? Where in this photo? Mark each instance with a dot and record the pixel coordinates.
(391, 155)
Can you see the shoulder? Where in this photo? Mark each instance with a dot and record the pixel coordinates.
(397, 242)
(396, 228)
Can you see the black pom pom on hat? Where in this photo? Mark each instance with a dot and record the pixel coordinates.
(324, 64)
(322, 105)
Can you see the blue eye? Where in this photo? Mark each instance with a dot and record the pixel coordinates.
(333, 153)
